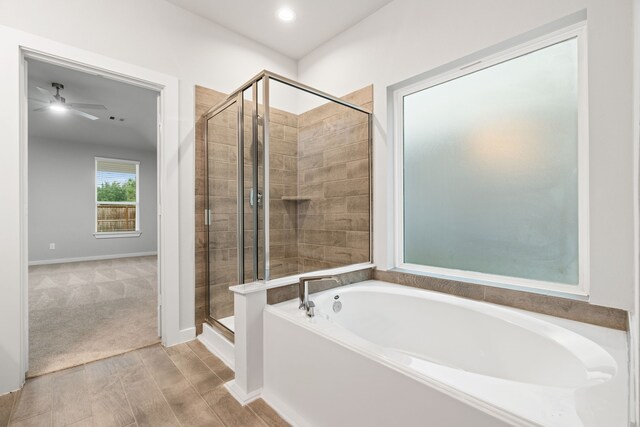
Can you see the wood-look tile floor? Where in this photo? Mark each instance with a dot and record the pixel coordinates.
(154, 386)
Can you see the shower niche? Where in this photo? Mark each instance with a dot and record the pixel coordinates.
(288, 186)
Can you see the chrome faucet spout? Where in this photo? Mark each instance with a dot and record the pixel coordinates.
(303, 292)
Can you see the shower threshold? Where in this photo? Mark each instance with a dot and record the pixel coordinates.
(229, 323)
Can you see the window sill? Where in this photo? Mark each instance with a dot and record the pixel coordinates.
(118, 235)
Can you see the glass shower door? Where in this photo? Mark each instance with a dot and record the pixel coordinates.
(224, 212)
(235, 185)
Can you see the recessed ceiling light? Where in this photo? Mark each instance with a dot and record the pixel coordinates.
(287, 15)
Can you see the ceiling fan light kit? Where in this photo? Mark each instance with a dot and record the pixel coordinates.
(58, 104)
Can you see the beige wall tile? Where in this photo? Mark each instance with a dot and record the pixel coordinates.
(316, 115)
(312, 131)
(358, 168)
(311, 251)
(346, 256)
(559, 307)
(311, 222)
(358, 239)
(347, 222)
(311, 161)
(349, 187)
(465, 290)
(326, 238)
(283, 117)
(358, 204)
(360, 97)
(326, 206)
(335, 172)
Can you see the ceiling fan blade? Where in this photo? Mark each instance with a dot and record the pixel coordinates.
(38, 100)
(87, 106)
(41, 109)
(46, 93)
(82, 114)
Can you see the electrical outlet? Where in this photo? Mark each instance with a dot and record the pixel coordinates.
(52, 245)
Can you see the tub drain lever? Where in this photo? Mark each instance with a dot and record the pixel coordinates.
(311, 309)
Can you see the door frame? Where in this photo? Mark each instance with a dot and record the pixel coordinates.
(30, 46)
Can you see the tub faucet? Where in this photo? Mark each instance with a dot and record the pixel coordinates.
(303, 292)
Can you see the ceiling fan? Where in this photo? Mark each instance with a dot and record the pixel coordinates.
(58, 104)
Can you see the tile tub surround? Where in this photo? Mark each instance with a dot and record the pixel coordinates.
(289, 292)
(554, 306)
(177, 386)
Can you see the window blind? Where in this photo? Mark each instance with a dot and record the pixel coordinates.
(116, 181)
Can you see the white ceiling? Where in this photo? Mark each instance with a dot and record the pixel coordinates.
(136, 105)
(316, 20)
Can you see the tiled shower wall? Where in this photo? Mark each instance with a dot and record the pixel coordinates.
(333, 172)
(319, 194)
(283, 174)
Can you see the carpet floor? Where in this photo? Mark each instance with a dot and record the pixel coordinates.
(85, 311)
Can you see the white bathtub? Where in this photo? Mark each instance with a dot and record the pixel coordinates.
(400, 356)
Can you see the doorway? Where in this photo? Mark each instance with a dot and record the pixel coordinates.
(92, 144)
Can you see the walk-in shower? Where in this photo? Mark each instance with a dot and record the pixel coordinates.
(288, 186)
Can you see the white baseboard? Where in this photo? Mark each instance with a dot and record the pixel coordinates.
(217, 344)
(91, 258)
(285, 411)
(238, 394)
(186, 335)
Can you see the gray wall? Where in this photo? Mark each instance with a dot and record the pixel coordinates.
(61, 201)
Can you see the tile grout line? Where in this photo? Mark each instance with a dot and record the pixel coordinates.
(161, 392)
(30, 417)
(191, 384)
(13, 404)
(208, 367)
(223, 382)
(256, 414)
(135, 420)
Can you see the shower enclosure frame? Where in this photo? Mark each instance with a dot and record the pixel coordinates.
(237, 97)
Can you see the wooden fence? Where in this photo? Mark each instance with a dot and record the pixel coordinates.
(114, 218)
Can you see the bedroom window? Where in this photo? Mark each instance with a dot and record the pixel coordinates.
(491, 169)
(117, 197)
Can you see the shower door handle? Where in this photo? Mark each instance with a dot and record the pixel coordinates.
(252, 198)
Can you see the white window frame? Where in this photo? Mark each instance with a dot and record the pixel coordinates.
(581, 291)
(116, 234)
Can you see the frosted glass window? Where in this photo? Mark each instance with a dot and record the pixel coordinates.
(491, 169)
